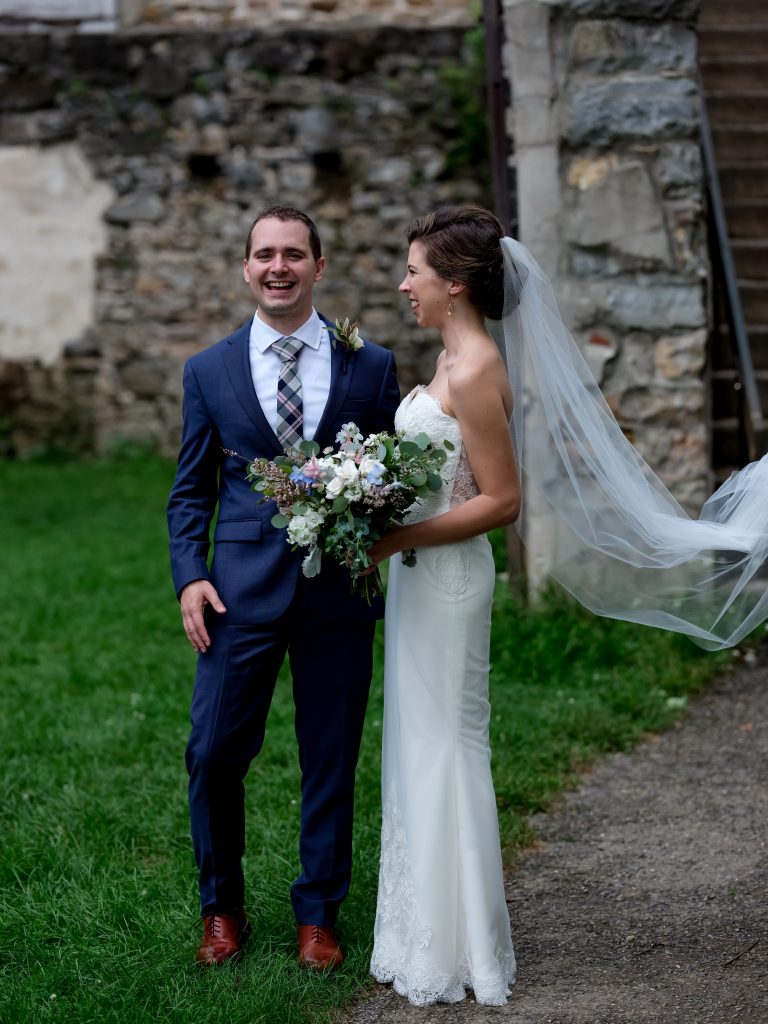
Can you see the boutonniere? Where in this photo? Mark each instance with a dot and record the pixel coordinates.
(347, 332)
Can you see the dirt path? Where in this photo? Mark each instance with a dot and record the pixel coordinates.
(647, 901)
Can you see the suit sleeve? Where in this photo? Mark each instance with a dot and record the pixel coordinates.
(389, 398)
(195, 489)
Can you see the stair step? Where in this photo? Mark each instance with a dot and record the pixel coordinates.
(715, 13)
(723, 349)
(751, 257)
(741, 144)
(747, 106)
(739, 40)
(728, 393)
(744, 180)
(754, 301)
(732, 73)
(747, 218)
(727, 446)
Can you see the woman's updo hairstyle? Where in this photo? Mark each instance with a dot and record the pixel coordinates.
(462, 244)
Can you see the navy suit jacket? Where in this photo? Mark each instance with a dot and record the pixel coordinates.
(254, 570)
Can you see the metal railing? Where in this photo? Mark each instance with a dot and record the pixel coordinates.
(725, 270)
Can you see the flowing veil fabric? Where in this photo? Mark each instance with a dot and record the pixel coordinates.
(620, 542)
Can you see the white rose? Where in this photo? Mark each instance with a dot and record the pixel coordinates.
(346, 478)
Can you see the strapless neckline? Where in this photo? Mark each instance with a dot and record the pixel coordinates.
(421, 389)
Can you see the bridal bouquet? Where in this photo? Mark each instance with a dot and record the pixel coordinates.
(339, 502)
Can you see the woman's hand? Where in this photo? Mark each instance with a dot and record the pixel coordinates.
(383, 549)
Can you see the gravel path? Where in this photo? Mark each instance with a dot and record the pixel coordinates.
(646, 900)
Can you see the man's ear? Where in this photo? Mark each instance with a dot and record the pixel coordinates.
(246, 275)
(319, 268)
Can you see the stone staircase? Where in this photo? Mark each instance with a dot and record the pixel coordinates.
(733, 57)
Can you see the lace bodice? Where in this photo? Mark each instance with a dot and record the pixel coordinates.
(421, 413)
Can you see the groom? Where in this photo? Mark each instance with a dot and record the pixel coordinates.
(275, 380)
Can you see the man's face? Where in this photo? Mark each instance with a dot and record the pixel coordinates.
(281, 272)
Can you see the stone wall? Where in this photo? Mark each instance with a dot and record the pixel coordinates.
(611, 200)
(182, 13)
(185, 137)
(213, 15)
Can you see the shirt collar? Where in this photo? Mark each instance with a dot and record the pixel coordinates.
(311, 332)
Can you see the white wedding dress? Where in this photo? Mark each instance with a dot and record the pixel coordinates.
(442, 925)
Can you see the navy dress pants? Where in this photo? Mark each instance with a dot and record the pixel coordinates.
(331, 667)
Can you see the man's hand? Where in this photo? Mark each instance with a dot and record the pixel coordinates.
(193, 599)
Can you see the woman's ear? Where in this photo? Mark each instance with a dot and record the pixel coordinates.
(456, 287)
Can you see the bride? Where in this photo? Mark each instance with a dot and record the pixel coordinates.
(441, 923)
(620, 543)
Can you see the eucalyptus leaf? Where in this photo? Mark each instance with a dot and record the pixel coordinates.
(309, 448)
(423, 441)
(339, 505)
(449, 445)
(280, 521)
(409, 450)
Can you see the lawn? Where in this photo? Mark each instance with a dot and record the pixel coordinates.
(97, 882)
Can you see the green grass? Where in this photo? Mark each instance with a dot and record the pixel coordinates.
(97, 884)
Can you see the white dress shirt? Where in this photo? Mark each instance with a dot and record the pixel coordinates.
(314, 369)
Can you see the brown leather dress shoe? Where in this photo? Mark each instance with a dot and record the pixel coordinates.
(223, 937)
(319, 947)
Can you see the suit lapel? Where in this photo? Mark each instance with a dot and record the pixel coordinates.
(238, 366)
(342, 367)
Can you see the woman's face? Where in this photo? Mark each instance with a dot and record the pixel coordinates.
(427, 292)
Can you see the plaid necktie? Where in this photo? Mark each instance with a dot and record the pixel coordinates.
(290, 416)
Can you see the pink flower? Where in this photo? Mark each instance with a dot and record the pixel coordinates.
(312, 469)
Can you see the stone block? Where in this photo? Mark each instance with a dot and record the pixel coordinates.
(396, 170)
(598, 349)
(649, 110)
(679, 166)
(681, 356)
(647, 10)
(610, 46)
(617, 206)
(671, 406)
(654, 307)
(317, 130)
(137, 206)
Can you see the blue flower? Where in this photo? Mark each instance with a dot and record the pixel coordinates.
(297, 477)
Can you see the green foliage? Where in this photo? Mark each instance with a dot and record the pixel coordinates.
(465, 84)
(77, 87)
(97, 881)
(202, 85)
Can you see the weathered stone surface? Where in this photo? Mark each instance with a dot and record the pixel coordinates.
(681, 10)
(140, 206)
(647, 110)
(48, 197)
(188, 172)
(653, 307)
(681, 356)
(610, 46)
(26, 91)
(676, 406)
(162, 78)
(620, 209)
(679, 166)
(599, 348)
(396, 170)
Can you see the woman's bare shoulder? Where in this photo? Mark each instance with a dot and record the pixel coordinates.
(482, 369)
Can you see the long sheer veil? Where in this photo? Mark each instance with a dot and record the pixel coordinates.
(620, 543)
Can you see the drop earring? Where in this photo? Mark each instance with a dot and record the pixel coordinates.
(450, 305)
